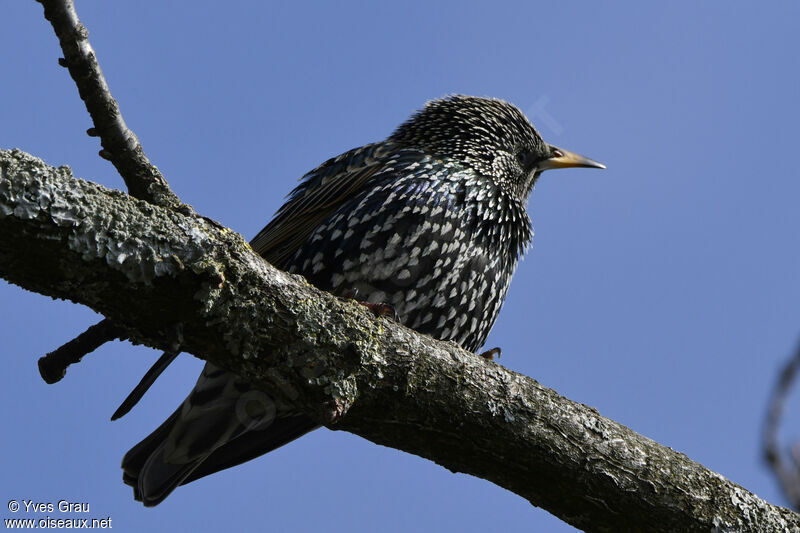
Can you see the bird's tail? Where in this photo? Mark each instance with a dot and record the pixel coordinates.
(222, 423)
(134, 461)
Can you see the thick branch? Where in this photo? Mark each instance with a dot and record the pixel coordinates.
(179, 282)
(120, 144)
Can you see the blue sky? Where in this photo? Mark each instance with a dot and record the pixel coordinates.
(663, 291)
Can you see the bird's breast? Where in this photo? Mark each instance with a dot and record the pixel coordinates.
(440, 245)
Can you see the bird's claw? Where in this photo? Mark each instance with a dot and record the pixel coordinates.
(489, 354)
(349, 294)
(379, 309)
(382, 309)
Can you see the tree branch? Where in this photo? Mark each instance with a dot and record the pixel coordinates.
(122, 148)
(177, 281)
(786, 467)
(53, 366)
(120, 144)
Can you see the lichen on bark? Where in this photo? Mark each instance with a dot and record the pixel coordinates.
(176, 280)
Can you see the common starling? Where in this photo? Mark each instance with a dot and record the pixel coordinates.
(432, 221)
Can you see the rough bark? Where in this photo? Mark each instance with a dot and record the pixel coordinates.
(180, 281)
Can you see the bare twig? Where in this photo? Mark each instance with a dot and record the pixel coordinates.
(786, 466)
(144, 385)
(53, 366)
(120, 144)
(338, 363)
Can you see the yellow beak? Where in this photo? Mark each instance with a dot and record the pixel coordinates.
(565, 159)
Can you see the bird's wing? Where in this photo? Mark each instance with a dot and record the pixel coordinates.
(224, 421)
(320, 193)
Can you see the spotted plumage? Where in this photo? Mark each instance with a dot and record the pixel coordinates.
(433, 238)
(432, 221)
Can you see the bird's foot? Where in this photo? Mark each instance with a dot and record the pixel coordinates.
(379, 309)
(382, 309)
(489, 354)
(348, 294)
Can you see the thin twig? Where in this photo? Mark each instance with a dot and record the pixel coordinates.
(144, 384)
(120, 144)
(53, 366)
(786, 469)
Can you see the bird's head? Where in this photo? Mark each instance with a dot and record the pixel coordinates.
(491, 136)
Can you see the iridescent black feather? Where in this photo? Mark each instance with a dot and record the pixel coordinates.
(431, 220)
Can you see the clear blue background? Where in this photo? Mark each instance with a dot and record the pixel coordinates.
(663, 291)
